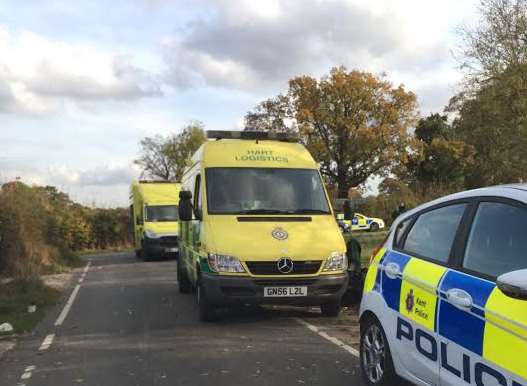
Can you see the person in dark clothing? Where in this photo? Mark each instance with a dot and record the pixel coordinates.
(347, 210)
(400, 210)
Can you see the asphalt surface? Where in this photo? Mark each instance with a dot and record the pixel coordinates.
(129, 325)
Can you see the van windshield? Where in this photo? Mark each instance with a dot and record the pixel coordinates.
(265, 191)
(158, 213)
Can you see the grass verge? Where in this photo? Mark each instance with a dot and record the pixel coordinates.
(368, 241)
(107, 250)
(17, 295)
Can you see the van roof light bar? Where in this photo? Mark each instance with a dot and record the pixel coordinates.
(252, 135)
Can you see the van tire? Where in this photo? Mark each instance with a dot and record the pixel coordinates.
(207, 311)
(388, 377)
(330, 310)
(374, 227)
(184, 284)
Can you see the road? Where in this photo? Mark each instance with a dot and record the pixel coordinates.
(126, 324)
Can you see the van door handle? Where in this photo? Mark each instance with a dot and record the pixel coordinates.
(393, 271)
(459, 298)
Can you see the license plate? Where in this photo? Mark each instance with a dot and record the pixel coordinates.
(171, 250)
(276, 292)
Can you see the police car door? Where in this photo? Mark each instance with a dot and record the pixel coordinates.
(421, 262)
(483, 332)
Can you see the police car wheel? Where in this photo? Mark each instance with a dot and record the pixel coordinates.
(207, 311)
(375, 358)
(374, 227)
(330, 309)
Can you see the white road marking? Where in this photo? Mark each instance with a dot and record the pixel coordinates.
(81, 280)
(28, 372)
(48, 340)
(70, 301)
(328, 337)
(67, 307)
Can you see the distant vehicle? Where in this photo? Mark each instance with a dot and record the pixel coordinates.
(257, 226)
(154, 214)
(445, 296)
(344, 227)
(362, 222)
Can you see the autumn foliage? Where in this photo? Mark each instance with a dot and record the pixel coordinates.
(41, 228)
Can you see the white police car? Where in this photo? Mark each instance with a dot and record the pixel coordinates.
(445, 297)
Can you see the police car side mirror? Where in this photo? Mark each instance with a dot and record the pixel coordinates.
(514, 284)
(185, 205)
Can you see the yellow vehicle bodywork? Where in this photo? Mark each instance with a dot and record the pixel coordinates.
(143, 195)
(310, 237)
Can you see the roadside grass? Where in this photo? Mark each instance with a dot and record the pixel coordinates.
(17, 295)
(368, 241)
(86, 252)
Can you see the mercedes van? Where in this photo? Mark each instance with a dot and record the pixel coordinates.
(256, 226)
(154, 213)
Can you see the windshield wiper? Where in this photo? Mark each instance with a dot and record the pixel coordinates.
(310, 211)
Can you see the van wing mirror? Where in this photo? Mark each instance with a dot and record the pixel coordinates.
(185, 205)
(185, 195)
(514, 284)
(139, 221)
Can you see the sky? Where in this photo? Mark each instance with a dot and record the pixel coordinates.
(81, 82)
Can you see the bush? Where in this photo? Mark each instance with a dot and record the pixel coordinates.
(41, 229)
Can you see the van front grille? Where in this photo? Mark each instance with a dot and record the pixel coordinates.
(271, 268)
(168, 240)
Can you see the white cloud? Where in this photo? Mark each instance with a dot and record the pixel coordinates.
(38, 74)
(256, 46)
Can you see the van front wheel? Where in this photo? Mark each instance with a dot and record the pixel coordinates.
(331, 309)
(207, 311)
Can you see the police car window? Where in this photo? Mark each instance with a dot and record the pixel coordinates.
(498, 240)
(433, 233)
(399, 232)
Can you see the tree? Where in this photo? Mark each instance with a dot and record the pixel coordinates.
(433, 126)
(354, 123)
(492, 108)
(167, 157)
(154, 158)
(184, 145)
(497, 45)
(436, 163)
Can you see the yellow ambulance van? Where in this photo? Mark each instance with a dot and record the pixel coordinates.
(256, 226)
(154, 213)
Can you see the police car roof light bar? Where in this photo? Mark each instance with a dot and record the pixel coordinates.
(251, 135)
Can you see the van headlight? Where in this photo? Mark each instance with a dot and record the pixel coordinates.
(225, 263)
(151, 235)
(336, 262)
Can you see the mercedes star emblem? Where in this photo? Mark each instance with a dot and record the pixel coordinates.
(285, 265)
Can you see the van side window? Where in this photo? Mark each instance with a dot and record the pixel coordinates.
(433, 234)
(197, 194)
(497, 242)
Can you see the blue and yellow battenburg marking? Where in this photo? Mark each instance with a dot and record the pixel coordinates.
(372, 280)
(495, 328)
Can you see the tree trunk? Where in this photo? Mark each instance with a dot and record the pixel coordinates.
(343, 187)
